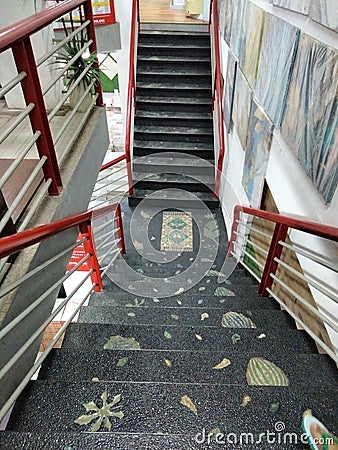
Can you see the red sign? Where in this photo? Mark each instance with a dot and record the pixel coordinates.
(78, 253)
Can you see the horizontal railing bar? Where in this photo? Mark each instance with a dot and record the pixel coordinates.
(15, 122)
(112, 181)
(104, 225)
(105, 244)
(25, 188)
(38, 269)
(253, 228)
(258, 247)
(113, 162)
(110, 263)
(305, 327)
(40, 299)
(19, 241)
(29, 25)
(77, 130)
(304, 225)
(36, 334)
(61, 43)
(261, 266)
(333, 265)
(11, 84)
(250, 271)
(308, 280)
(35, 204)
(113, 172)
(307, 305)
(40, 360)
(19, 159)
(74, 85)
(102, 257)
(109, 234)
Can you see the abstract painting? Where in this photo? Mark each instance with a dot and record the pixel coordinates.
(257, 154)
(325, 12)
(228, 97)
(275, 65)
(241, 107)
(301, 6)
(225, 8)
(236, 26)
(309, 124)
(250, 43)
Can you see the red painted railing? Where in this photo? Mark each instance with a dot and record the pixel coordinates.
(217, 92)
(134, 28)
(18, 38)
(282, 224)
(13, 244)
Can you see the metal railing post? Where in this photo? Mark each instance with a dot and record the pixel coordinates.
(25, 62)
(120, 232)
(231, 243)
(275, 251)
(88, 13)
(93, 262)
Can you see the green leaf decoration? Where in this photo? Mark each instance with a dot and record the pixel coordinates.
(235, 338)
(213, 273)
(215, 431)
(137, 303)
(175, 316)
(188, 403)
(211, 230)
(156, 300)
(101, 414)
(246, 400)
(223, 292)
(167, 335)
(121, 343)
(274, 407)
(198, 337)
(168, 363)
(234, 319)
(131, 314)
(201, 289)
(122, 362)
(179, 302)
(204, 316)
(262, 372)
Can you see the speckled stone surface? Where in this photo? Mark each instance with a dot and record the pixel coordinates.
(82, 335)
(186, 366)
(153, 408)
(279, 321)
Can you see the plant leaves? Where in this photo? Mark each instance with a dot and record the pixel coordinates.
(204, 316)
(104, 396)
(116, 400)
(202, 288)
(261, 336)
(179, 302)
(122, 362)
(188, 403)
(168, 363)
(274, 407)
(91, 406)
(246, 400)
(167, 335)
(121, 343)
(175, 316)
(198, 337)
(179, 291)
(107, 423)
(222, 291)
(156, 300)
(235, 338)
(224, 363)
(131, 314)
(84, 420)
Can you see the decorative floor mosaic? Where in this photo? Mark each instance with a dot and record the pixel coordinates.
(177, 232)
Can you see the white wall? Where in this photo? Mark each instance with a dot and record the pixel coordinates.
(292, 190)
(14, 11)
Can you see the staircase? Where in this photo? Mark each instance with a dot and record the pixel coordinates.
(173, 128)
(176, 369)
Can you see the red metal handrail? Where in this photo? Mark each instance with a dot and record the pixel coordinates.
(282, 224)
(135, 18)
(218, 90)
(113, 162)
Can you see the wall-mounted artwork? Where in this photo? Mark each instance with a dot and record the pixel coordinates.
(301, 6)
(236, 26)
(229, 90)
(325, 12)
(310, 121)
(225, 8)
(257, 154)
(241, 107)
(275, 65)
(250, 44)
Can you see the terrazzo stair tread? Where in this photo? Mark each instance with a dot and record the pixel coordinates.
(159, 120)
(151, 408)
(174, 115)
(200, 149)
(172, 180)
(95, 336)
(160, 104)
(182, 90)
(176, 164)
(149, 366)
(173, 200)
(170, 80)
(183, 317)
(177, 101)
(250, 301)
(177, 130)
(173, 71)
(11, 440)
(175, 58)
(170, 50)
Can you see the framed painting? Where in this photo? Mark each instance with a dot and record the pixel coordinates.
(228, 97)
(257, 154)
(301, 6)
(275, 65)
(241, 107)
(250, 42)
(236, 26)
(325, 12)
(309, 124)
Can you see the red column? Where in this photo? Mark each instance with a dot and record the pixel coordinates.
(93, 262)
